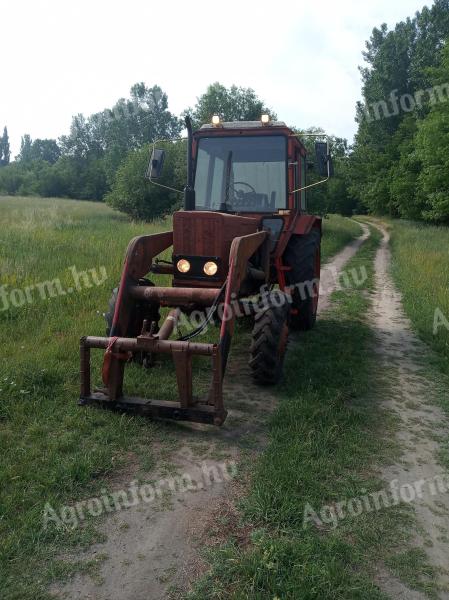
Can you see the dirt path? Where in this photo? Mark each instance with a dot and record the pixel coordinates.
(412, 399)
(152, 548)
(330, 272)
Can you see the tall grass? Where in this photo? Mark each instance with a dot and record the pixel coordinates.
(52, 450)
(421, 270)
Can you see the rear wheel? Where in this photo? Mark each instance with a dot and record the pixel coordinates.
(303, 256)
(269, 339)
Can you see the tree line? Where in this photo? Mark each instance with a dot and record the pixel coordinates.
(398, 164)
(104, 156)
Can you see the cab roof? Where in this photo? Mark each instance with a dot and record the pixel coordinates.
(244, 125)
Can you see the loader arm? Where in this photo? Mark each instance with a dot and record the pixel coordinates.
(139, 258)
(242, 249)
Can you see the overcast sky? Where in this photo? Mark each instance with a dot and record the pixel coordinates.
(60, 58)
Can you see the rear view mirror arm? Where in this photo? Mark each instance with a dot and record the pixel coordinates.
(148, 172)
(311, 185)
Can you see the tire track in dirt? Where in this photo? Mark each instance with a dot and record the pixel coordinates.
(412, 398)
(152, 548)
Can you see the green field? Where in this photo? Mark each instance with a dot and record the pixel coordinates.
(53, 451)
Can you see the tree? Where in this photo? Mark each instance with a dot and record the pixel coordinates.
(334, 196)
(109, 135)
(231, 104)
(432, 150)
(5, 153)
(404, 173)
(25, 154)
(385, 164)
(132, 194)
(47, 150)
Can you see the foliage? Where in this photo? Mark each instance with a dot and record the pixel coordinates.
(231, 104)
(132, 194)
(83, 163)
(334, 196)
(432, 150)
(47, 150)
(5, 153)
(398, 165)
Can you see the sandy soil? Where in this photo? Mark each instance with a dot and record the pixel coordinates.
(421, 423)
(152, 548)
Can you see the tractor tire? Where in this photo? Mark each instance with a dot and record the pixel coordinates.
(303, 256)
(269, 339)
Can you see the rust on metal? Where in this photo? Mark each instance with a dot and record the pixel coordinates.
(174, 296)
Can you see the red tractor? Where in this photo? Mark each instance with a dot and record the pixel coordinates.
(244, 244)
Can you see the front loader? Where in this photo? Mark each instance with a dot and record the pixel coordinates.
(243, 245)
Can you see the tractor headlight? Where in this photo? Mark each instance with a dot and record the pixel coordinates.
(210, 268)
(183, 265)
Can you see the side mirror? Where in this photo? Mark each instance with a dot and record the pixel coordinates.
(155, 166)
(323, 160)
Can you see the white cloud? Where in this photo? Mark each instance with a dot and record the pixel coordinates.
(61, 58)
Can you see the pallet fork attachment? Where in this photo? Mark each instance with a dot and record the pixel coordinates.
(118, 347)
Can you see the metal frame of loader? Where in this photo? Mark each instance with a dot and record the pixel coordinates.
(140, 260)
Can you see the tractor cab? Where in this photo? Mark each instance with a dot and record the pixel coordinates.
(243, 177)
(252, 167)
(242, 168)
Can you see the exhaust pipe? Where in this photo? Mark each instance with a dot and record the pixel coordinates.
(189, 192)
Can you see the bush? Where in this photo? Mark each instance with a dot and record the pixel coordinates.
(14, 179)
(132, 194)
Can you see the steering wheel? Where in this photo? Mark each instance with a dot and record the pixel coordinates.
(243, 183)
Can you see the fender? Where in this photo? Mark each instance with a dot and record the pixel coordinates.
(305, 223)
(300, 225)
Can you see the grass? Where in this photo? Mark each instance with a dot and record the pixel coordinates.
(52, 450)
(338, 232)
(421, 272)
(324, 436)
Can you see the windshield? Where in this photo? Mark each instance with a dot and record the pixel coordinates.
(241, 174)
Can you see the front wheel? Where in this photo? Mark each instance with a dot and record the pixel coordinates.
(269, 339)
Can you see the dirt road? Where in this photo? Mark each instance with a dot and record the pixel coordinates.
(412, 398)
(152, 548)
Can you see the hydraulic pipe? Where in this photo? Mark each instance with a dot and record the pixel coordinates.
(169, 324)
